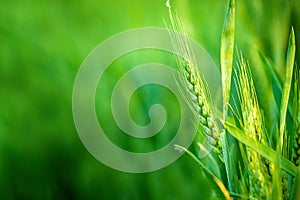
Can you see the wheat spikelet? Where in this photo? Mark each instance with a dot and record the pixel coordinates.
(285, 185)
(200, 99)
(195, 87)
(296, 120)
(258, 167)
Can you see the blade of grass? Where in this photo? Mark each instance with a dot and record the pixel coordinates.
(225, 152)
(227, 47)
(274, 76)
(263, 150)
(217, 185)
(272, 71)
(287, 85)
(209, 161)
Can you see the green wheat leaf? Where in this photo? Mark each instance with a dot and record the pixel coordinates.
(263, 150)
(287, 85)
(227, 47)
(210, 161)
(274, 77)
(227, 44)
(271, 70)
(226, 158)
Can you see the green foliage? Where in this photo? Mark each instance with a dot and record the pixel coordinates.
(42, 46)
(253, 169)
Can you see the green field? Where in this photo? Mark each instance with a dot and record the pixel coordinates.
(42, 45)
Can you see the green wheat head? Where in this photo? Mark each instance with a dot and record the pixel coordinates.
(296, 120)
(195, 86)
(253, 127)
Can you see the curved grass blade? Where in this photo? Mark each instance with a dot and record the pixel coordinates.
(216, 184)
(287, 85)
(209, 161)
(263, 150)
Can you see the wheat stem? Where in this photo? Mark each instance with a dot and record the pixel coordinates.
(287, 85)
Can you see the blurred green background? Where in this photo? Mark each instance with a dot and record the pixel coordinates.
(43, 43)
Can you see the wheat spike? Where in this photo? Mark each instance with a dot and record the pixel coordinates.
(195, 86)
(296, 120)
(258, 167)
(199, 98)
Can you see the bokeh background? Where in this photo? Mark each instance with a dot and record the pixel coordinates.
(43, 43)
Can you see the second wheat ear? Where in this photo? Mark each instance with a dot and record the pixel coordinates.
(258, 168)
(296, 119)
